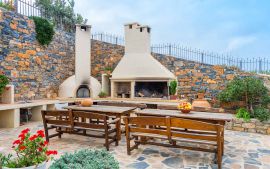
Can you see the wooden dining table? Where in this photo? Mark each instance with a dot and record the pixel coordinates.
(114, 111)
(215, 118)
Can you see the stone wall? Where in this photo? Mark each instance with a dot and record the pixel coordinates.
(33, 69)
(253, 126)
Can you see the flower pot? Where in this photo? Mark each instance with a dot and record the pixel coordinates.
(173, 97)
(185, 111)
(200, 95)
(40, 166)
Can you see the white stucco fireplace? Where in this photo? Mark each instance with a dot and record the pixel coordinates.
(82, 84)
(139, 74)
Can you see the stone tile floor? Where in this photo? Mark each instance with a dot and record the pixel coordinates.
(242, 151)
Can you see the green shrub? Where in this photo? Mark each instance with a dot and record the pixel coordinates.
(3, 82)
(261, 114)
(44, 30)
(86, 159)
(173, 87)
(251, 90)
(102, 94)
(243, 113)
(7, 6)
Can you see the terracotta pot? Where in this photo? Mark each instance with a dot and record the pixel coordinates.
(87, 102)
(200, 95)
(173, 97)
(184, 111)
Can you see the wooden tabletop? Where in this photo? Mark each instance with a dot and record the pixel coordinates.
(191, 115)
(101, 108)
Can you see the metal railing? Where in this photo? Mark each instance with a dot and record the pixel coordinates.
(109, 38)
(260, 65)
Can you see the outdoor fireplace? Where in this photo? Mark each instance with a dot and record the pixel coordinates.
(83, 91)
(81, 84)
(141, 73)
(151, 89)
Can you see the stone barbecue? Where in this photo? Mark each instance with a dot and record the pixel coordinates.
(139, 74)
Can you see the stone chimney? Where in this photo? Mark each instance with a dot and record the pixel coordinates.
(137, 38)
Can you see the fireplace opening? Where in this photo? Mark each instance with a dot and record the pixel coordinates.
(83, 91)
(151, 89)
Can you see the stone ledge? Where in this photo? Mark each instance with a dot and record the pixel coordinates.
(253, 126)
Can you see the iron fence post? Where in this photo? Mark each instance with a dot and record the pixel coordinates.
(16, 5)
(170, 49)
(260, 65)
(202, 57)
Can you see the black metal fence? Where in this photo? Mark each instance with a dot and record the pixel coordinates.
(109, 38)
(260, 65)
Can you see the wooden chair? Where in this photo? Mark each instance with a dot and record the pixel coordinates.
(174, 130)
(56, 119)
(84, 123)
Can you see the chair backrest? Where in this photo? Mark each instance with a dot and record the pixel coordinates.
(194, 129)
(57, 117)
(84, 120)
(144, 124)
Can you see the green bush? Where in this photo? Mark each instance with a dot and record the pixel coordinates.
(261, 114)
(3, 82)
(173, 87)
(243, 113)
(251, 90)
(7, 6)
(44, 30)
(86, 159)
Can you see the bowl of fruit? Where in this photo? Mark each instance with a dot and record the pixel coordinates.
(184, 107)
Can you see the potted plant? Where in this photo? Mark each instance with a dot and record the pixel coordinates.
(31, 150)
(173, 90)
(3, 83)
(201, 93)
(184, 107)
(102, 94)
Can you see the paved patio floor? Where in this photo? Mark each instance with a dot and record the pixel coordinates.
(242, 150)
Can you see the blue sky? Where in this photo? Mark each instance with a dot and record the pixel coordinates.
(238, 27)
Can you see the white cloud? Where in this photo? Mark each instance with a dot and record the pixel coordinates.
(239, 42)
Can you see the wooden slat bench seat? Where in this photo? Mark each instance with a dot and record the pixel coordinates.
(81, 123)
(175, 132)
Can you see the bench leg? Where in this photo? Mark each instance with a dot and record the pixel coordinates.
(106, 138)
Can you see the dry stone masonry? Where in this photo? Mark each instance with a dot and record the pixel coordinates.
(33, 69)
(252, 126)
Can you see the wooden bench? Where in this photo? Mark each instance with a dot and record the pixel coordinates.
(79, 122)
(173, 131)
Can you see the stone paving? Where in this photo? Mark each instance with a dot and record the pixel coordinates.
(242, 151)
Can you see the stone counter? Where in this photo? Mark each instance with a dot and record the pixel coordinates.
(253, 126)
